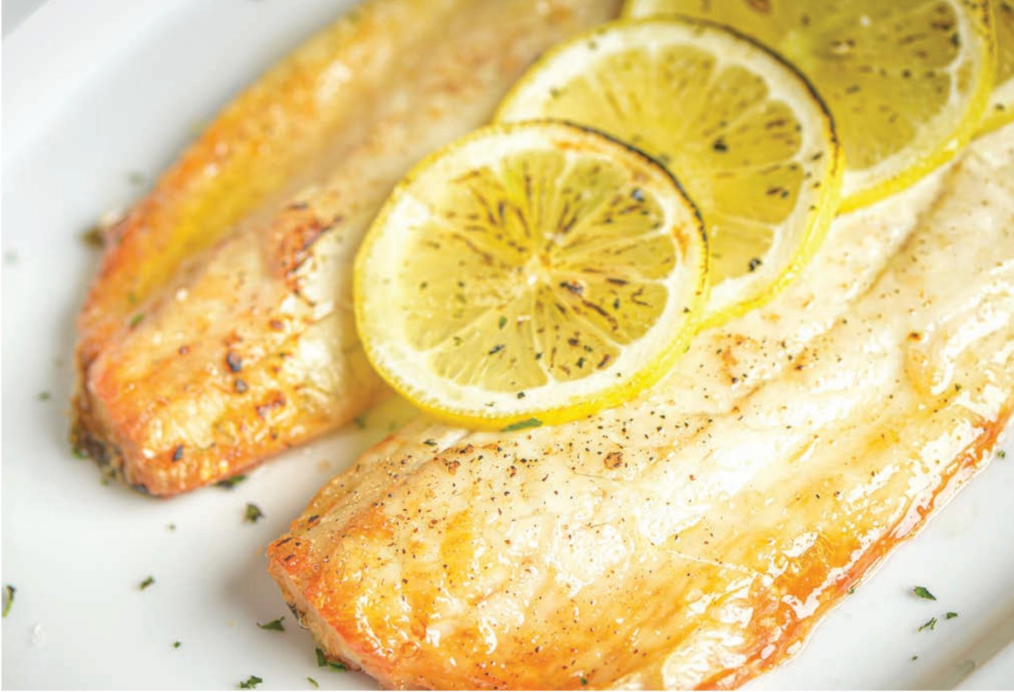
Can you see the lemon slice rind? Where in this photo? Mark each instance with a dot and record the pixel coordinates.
(380, 280)
(899, 171)
(818, 201)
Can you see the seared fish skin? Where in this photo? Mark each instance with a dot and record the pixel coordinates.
(692, 537)
(219, 329)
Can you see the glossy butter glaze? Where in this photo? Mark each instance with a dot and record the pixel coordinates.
(219, 329)
(692, 537)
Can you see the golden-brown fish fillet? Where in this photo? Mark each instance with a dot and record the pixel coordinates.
(692, 537)
(219, 329)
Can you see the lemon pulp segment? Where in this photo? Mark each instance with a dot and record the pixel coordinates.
(1001, 103)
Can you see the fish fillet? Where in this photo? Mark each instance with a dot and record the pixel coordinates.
(692, 537)
(219, 329)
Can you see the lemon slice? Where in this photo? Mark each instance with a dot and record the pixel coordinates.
(530, 273)
(906, 80)
(745, 134)
(1001, 104)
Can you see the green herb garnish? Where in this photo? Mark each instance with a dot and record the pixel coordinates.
(930, 624)
(136, 320)
(148, 581)
(313, 682)
(107, 475)
(923, 592)
(230, 483)
(431, 442)
(250, 683)
(503, 321)
(43, 396)
(8, 598)
(522, 424)
(951, 615)
(275, 625)
(253, 513)
(94, 237)
(584, 681)
(322, 662)
(177, 644)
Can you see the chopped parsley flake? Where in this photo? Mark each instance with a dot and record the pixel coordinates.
(522, 424)
(313, 682)
(274, 625)
(930, 624)
(950, 615)
(322, 662)
(503, 321)
(584, 681)
(177, 644)
(148, 581)
(107, 475)
(1002, 454)
(253, 513)
(431, 442)
(923, 592)
(230, 483)
(250, 683)
(360, 422)
(136, 320)
(93, 237)
(8, 598)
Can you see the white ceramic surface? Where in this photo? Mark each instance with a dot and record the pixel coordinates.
(95, 91)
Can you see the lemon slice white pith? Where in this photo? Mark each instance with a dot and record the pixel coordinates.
(746, 135)
(537, 271)
(906, 80)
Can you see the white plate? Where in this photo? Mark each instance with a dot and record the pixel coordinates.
(95, 91)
